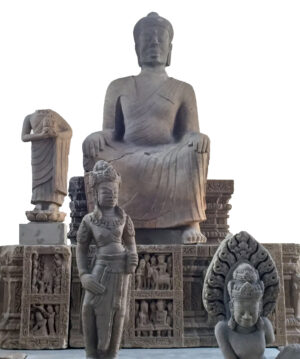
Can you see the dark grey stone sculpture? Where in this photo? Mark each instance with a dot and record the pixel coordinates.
(290, 352)
(151, 136)
(106, 283)
(50, 136)
(240, 288)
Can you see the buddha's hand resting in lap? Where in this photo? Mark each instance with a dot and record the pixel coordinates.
(90, 283)
(199, 142)
(95, 143)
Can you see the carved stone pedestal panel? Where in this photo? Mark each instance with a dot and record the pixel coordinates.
(156, 305)
(165, 304)
(34, 311)
(291, 271)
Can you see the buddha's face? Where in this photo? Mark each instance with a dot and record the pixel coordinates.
(246, 312)
(108, 194)
(153, 46)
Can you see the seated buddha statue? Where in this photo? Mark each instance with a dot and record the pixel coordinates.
(151, 136)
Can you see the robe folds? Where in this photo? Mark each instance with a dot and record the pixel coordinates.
(49, 161)
(163, 174)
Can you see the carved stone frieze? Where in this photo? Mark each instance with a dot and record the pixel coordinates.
(38, 317)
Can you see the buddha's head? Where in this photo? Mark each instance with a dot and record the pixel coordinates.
(153, 36)
(245, 291)
(105, 182)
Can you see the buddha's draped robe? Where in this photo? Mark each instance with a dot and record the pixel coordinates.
(49, 161)
(163, 185)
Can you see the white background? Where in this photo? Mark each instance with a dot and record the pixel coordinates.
(242, 58)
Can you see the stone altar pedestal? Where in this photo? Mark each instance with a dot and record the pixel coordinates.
(47, 233)
(34, 296)
(179, 319)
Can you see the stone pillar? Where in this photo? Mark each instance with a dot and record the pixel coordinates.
(291, 272)
(218, 194)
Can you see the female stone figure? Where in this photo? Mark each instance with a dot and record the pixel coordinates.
(247, 333)
(240, 288)
(50, 136)
(106, 284)
(151, 135)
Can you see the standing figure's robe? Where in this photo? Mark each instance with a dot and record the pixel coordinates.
(151, 143)
(49, 161)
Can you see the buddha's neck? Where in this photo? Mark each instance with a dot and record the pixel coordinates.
(159, 70)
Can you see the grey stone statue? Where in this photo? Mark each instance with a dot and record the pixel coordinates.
(151, 136)
(106, 282)
(290, 352)
(50, 136)
(240, 288)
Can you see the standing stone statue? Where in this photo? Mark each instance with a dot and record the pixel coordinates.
(106, 282)
(151, 136)
(50, 136)
(240, 288)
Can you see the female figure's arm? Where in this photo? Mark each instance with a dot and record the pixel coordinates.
(129, 244)
(84, 236)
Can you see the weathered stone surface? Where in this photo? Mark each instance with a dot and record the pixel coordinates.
(290, 352)
(34, 311)
(106, 281)
(215, 228)
(291, 272)
(241, 287)
(189, 263)
(151, 135)
(77, 205)
(42, 234)
(50, 135)
(218, 195)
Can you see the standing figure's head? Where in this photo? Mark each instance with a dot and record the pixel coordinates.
(153, 36)
(245, 291)
(105, 182)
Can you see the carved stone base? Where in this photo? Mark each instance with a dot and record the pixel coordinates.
(45, 216)
(174, 276)
(34, 297)
(42, 233)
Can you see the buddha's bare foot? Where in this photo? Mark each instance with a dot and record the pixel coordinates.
(192, 234)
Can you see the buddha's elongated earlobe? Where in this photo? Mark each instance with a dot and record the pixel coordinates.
(168, 63)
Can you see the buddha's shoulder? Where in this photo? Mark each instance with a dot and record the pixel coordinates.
(121, 83)
(182, 84)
